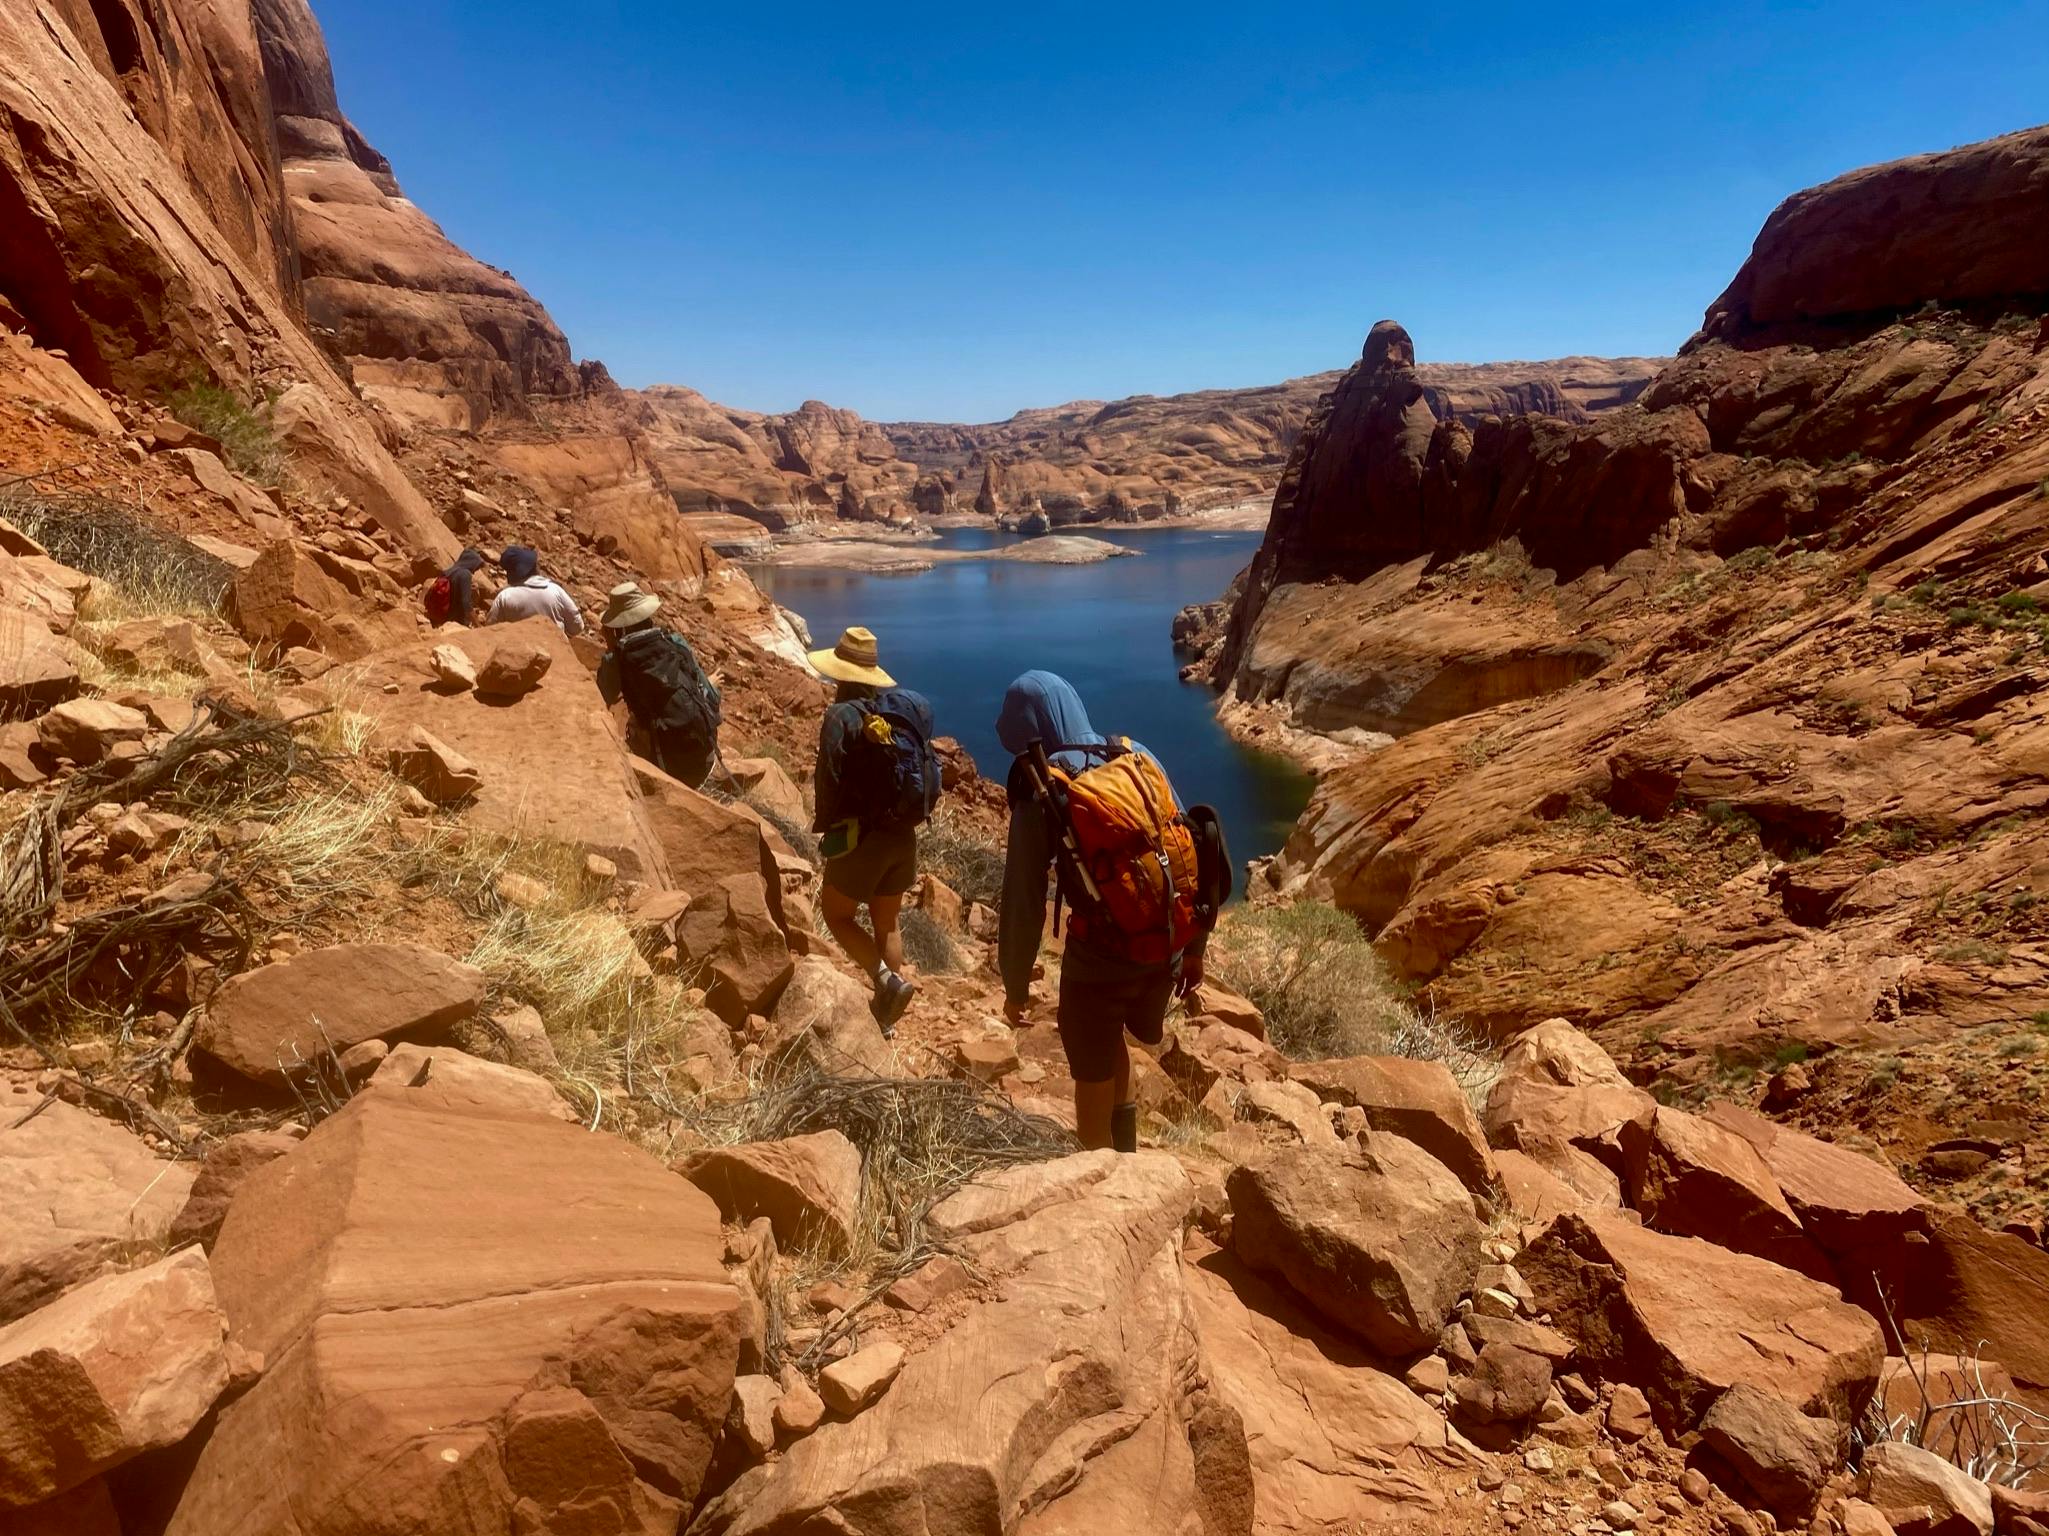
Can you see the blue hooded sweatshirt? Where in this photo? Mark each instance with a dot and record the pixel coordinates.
(1041, 707)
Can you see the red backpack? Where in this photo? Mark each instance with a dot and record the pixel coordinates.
(440, 598)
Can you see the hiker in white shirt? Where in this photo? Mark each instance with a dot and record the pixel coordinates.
(527, 593)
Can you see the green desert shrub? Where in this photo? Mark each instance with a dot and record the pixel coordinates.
(243, 431)
(1312, 972)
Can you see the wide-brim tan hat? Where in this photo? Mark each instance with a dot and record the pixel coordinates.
(853, 660)
(627, 605)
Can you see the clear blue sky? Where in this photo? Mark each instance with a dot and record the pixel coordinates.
(954, 212)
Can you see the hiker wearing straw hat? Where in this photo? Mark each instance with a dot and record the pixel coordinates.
(877, 782)
(665, 690)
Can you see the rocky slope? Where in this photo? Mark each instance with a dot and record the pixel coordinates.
(1716, 723)
(420, 1114)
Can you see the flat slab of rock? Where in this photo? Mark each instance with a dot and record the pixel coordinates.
(1382, 1241)
(809, 1187)
(1419, 1100)
(79, 1191)
(1691, 1175)
(455, 1079)
(579, 791)
(1845, 1200)
(119, 1366)
(462, 1313)
(1067, 1393)
(1332, 1438)
(264, 1021)
(1685, 1320)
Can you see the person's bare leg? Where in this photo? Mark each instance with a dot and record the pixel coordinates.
(884, 912)
(842, 913)
(1092, 1105)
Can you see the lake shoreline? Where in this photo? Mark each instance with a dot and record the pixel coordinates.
(962, 611)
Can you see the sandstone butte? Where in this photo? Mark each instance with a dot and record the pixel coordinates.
(1679, 727)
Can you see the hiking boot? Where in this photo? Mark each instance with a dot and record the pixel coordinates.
(892, 997)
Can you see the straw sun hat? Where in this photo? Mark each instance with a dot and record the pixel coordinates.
(628, 605)
(853, 660)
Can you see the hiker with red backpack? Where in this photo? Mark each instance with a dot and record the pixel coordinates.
(877, 782)
(451, 598)
(666, 692)
(1142, 882)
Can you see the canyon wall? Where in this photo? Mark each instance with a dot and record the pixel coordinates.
(1716, 724)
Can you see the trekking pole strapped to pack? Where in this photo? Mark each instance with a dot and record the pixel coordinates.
(1042, 789)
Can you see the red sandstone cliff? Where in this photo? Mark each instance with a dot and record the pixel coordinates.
(1718, 722)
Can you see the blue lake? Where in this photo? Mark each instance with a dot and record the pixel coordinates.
(961, 631)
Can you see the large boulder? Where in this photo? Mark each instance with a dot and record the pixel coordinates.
(1785, 1456)
(471, 1321)
(1419, 1100)
(1920, 1494)
(264, 1022)
(285, 599)
(81, 1191)
(86, 730)
(1561, 1100)
(809, 1187)
(37, 668)
(707, 841)
(1332, 1437)
(117, 1367)
(1068, 1399)
(822, 1022)
(1685, 1320)
(553, 764)
(1381, 1238)
(1967, 1291)
(1689, 1175)
(1845, 1201)
(731, 942)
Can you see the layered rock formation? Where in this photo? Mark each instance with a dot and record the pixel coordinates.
(428, 331)
(1717, 717)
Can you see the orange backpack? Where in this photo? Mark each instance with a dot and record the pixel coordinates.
(1126, 855)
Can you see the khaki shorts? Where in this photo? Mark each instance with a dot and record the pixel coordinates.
(881, 864)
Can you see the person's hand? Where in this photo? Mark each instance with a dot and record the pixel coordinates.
(1191, 973)
(1017, 1015)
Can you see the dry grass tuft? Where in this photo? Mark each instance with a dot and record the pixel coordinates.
(920, 1139)
(1325, 993)
(971, 864)
(635, 1052)
(150, 572)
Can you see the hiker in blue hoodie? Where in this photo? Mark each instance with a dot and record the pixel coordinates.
(1103, 994)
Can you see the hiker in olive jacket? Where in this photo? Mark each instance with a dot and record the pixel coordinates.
(1102, 995)
(665, 689)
